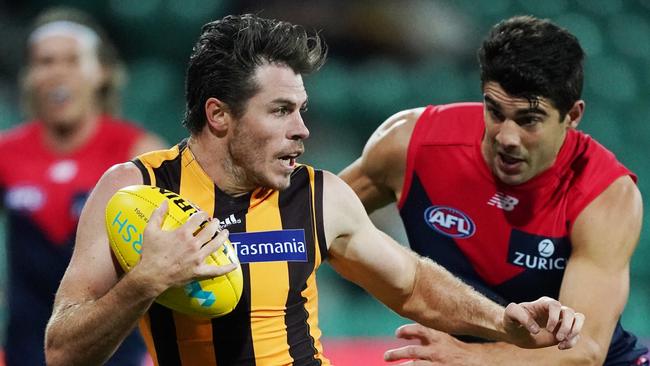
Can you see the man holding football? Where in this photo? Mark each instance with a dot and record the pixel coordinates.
(245, 95)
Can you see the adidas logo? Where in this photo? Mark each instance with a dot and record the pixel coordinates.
(230, 220)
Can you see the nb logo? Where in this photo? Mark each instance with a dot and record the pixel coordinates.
(503, 201)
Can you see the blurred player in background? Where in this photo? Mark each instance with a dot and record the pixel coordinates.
(510, 197)
(245, 95)
(50, 163)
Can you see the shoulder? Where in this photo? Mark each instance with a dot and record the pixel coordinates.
(121, 175)
(343, 211)
(610, 225)
(621, 194)
(113, 179)
(396, 130)
(388, 145)
(19, 133)
(593, 169)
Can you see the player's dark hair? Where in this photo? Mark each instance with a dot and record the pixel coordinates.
(109, 93)
(534, 58)
(224, 59)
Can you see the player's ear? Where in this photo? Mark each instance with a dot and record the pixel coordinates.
(217, 115)
(575, 114)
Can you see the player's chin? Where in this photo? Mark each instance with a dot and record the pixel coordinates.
(511, 178)
(278, 176)
(281, 184)
(278, 182)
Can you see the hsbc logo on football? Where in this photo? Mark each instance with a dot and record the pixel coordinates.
(449, 221)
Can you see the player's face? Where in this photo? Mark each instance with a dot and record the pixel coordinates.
(521, 140)
(268, 138)
(63, 77)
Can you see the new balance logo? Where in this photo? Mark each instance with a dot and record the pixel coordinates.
(503, 201)
(230, 220)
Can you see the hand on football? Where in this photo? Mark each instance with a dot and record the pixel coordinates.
(176, 257)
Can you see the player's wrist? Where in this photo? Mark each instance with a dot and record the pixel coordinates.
(144, 283)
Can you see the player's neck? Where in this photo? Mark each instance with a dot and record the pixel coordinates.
(216, 163)
(67, 137)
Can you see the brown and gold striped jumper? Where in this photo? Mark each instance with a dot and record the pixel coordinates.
(276, 320)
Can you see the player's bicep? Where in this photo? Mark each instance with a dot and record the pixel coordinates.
(359, 251)
(596, 280)
(607, 231)
(92, 270)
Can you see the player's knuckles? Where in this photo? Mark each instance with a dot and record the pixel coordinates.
(415, 351)
(517, 312)
(415, 330)
(567, 311)
(552, 303)
(197, 218)
(548, 299)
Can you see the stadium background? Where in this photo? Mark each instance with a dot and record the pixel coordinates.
(384, 56)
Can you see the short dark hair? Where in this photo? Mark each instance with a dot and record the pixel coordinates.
(227, 53)
(107, 54)
(533, 58)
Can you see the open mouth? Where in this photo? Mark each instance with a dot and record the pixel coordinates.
(509, 159)
(289, 160)
(59, 95)
(509, 164)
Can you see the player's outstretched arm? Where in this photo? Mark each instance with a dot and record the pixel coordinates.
(95, 309)
(596, 281)
(421, 290)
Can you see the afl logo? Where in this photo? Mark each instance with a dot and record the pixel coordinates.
(449, 221)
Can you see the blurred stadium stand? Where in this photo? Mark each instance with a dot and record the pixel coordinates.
(384, 56)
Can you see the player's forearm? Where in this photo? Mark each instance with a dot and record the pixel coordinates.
(586, 352)
(88, 333)
(441, 301)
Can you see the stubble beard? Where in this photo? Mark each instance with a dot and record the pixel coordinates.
(241, 162)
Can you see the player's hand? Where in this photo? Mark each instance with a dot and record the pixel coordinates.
(434, 348)
(542, 323)
(175, 257)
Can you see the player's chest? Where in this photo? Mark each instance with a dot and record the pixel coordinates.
(40, 184)
(468, 222)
